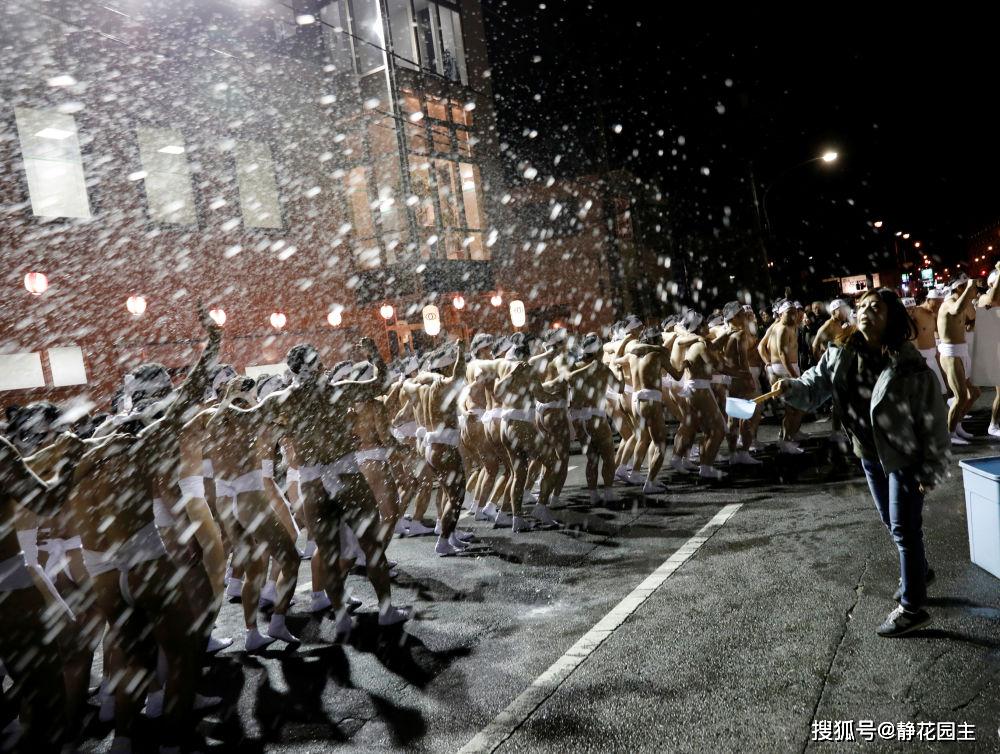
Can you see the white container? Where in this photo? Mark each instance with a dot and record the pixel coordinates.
(981, 477)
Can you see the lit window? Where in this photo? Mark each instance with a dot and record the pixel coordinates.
(51, 151)
(21, 371)
(258, 188)
(166, 176)
(471, 194)
(67, 366)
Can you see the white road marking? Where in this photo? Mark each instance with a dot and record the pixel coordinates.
(491, 737)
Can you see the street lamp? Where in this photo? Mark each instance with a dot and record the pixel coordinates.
(828, 157)
(878, 223)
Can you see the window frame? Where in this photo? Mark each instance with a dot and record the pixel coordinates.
(20, 173)
(196, 197)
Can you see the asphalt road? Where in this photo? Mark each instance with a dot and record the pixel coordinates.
(764, 627)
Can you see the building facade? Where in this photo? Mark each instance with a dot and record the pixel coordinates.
(309, 170)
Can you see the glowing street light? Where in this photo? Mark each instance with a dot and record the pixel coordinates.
(878, 223)
(829, 156)
(906, 236)
(916, 244)
(386, 311)
(136, 305)
(36, 283)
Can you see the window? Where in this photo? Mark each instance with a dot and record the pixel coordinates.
(51, 151)
(21, 371)
(367, 29)
(167, 179)
(401, 28)
(336, 29)
(258, 188)
(439, 39)
(453, 50)
(366, 248)
(260, 370)
(67, 366)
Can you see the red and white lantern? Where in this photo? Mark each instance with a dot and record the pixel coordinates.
(36, 283)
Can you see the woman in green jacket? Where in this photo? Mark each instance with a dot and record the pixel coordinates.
(891, 407)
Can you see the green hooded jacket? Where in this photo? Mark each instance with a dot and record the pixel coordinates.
(908, 415)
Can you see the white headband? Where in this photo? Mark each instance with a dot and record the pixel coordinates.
(444, 360)
(935, 294)
(632, 323)
(225, 374)
(785, 307)
(366, 371)
(837, 304)
(341, 374)
(268, 386)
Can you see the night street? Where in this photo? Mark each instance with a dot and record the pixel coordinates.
(497, 376)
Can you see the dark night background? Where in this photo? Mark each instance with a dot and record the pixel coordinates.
(908, 103)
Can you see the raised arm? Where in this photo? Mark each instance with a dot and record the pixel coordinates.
(967, 295)
(194, 386)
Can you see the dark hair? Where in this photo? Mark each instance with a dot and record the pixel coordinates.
(899, 326)
(652, 336)
(154, 382)
(299, 356)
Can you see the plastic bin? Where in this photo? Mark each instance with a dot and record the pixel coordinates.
(981, 477)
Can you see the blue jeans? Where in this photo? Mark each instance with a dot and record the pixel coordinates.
(900, 505)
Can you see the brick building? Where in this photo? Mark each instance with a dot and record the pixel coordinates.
(299, 165)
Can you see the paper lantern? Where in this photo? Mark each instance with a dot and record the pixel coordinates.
(136, 305)
(386, 311)
(517, 313)
(278, 320)
(336, 316)
(458, 302)
(36, 283)
(432, 320)
(496, 300)
(218, 316)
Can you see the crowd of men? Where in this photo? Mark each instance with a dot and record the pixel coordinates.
(130, 532)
